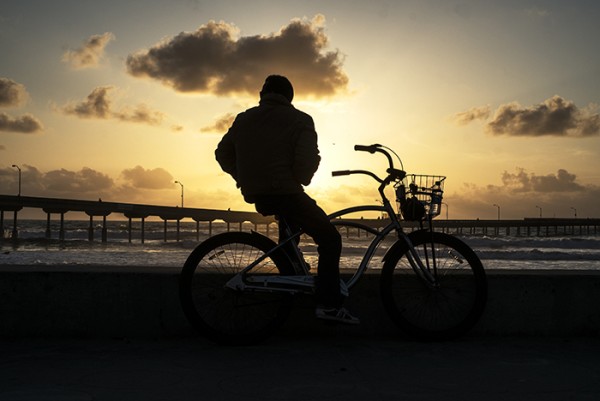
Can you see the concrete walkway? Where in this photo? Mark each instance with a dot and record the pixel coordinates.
(309, 368)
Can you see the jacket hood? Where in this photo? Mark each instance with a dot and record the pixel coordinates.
(274, 99)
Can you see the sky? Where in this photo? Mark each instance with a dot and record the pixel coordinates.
(119, 99)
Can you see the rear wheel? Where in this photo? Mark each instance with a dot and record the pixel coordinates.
(451, 306)
(225, 315)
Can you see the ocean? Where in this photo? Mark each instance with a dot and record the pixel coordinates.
(572, 252)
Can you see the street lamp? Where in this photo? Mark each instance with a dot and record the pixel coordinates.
(177, 182)
(540, 210)
(498, 206)
(18, 168)
(574, 210)
(382, 204)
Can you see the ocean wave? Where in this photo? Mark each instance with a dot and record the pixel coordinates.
(579, 242)
(537, 254)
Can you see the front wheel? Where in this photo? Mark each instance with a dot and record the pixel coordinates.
(223, 314)
(445, 309)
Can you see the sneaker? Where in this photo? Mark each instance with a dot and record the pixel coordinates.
(340, 315)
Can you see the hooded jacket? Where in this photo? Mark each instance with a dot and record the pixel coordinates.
(270, 149)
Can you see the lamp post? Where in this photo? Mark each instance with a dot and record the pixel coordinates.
(498, 206)
(574, 210)
(540, 211)
(18, 168)
(382, 212)
(177, 182)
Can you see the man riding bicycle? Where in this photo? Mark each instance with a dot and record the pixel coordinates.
(271, 151)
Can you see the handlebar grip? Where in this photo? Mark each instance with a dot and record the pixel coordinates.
(365, 148)
(340, 172)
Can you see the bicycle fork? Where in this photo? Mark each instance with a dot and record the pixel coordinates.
(427, 270)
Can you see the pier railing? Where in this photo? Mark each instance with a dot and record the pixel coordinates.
(525, 227)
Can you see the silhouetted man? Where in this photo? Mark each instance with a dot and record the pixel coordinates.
(271, 151)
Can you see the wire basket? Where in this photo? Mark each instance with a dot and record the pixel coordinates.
(420, 196)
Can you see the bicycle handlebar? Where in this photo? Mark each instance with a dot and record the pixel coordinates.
(341, 172)
(393, 173)
(375, 148)
(365, 148)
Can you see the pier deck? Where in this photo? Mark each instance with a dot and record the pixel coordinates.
(101, 209)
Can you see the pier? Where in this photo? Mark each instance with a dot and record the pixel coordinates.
(100, 209)
(526, 227)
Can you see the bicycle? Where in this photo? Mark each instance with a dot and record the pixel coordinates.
(238, 287)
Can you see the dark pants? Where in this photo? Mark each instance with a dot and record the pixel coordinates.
(301, 211)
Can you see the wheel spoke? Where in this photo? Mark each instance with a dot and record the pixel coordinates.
(223, 314)
(446, 309)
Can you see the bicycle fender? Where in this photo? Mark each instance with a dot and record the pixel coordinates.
(400, 246)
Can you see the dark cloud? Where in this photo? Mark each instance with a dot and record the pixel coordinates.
(60, 183)
(221, 125)
(99, 105)
(521, 181)
(96, 105)
(12, 94)
(140, 177)
(138, 184)
(90, 53)
(554, 116)
(213, 60)
(521, 192)
(26, 124)
(85, 181)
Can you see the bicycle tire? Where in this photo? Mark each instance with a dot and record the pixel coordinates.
(224, 315)
(434, 313)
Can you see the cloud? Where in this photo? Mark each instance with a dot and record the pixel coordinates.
(137, 185)
(214, 60)
(56, 183)
(90, 53)
(519, 194)
(85, 181)
(99, 105)
(2, 147)
(520, 181)
(12, 94)
(96, 105)
(554, 116)
(140, 177)
(476, 113)
(26, 124)
(221, 125)
(140, 114)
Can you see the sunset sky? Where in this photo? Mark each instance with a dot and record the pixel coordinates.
(119, 99)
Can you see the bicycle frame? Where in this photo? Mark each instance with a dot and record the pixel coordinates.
(303, 281)
(420, 268)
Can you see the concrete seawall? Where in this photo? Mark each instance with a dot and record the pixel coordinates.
(130, 302)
